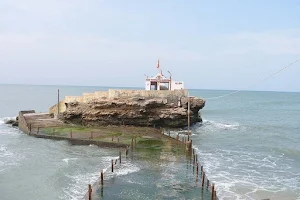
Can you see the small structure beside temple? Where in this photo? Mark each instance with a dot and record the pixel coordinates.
(161, 82)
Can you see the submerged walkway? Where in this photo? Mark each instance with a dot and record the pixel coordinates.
(169, 167)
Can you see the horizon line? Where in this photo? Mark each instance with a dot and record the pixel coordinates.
(143, 87)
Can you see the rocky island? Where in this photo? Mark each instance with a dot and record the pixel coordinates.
(168, 109)
(102, 116)
(164, 110)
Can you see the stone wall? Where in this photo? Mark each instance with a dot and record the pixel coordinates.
(69, 99)
(23, 126)
(147, 93)
(101, 94)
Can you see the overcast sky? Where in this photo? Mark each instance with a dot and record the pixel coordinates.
(207, 44)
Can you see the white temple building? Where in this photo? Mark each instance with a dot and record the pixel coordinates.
(161, 82)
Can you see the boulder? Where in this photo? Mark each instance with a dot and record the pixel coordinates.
(13, 122)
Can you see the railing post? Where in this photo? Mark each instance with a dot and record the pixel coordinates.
(102, 178)
(126, 152)
(213, 192)
(120, 155)
(203, 179)
(90, 192)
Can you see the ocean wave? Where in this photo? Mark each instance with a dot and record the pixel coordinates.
(3, 120)
(127, 169)
(8, 158)
(66, 160)
(79, 181)
(77, 188)
(247, 175)
(4, 152)
(210, 125)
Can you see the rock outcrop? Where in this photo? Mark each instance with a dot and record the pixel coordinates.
(13, 122)
(133, 111)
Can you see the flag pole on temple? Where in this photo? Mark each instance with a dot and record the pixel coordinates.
(158, 66)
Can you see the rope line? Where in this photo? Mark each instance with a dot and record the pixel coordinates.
(259, 81)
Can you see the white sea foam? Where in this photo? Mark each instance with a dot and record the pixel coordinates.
(8, 158)
(127, 169)
(249, 175)
(66, 160)
(77, 187)
(4, 152)
(219, 125)
(5, 119)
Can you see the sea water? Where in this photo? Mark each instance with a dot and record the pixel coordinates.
(248, 143)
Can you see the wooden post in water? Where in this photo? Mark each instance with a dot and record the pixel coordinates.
(101, 191)
(131, 144)
(116, 161)
(102, 178)
(112, 165)
(197, 169)
(189, 120)
(120, 155)
(213, 192)
(196, 158)
(126, 152)
(203, 179)
(215, 195)
(90, 192)
(207, 184)
(57, 102)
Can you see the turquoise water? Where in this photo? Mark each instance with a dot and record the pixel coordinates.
(248, 144)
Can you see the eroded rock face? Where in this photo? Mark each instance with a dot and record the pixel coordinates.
(138, 112)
